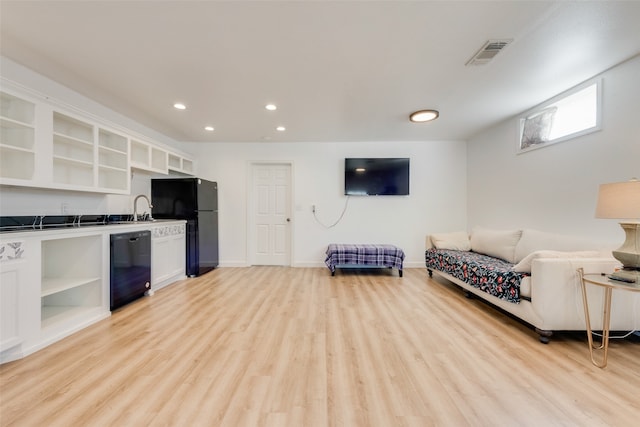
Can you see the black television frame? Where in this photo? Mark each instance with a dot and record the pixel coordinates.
(382, 176)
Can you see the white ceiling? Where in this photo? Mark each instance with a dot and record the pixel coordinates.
(338, 70)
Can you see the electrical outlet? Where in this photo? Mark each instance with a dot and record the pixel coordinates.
(64, 208)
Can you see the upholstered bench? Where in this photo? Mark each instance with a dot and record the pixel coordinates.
(363, 255)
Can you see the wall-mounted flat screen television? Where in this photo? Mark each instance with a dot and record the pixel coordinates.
(376, 176)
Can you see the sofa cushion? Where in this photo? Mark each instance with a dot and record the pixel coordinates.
(457, 241)
(525, 288)
(534, 240)
(524, 266)
(496, 243)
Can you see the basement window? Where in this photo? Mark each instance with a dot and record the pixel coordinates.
(567, 116)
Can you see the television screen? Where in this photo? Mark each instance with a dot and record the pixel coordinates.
(376, 177)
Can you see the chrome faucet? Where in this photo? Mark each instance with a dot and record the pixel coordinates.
(135, 207)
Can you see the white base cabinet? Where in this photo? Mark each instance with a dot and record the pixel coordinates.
(54, 283)
(72, 285)
(19, 271)
(167, 255)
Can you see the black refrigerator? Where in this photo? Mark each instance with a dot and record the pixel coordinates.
(196, 201)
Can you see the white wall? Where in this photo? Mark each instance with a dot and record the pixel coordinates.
(555, 188)
(436, 203)
(35, 201)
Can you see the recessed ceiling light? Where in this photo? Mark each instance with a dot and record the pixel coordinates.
(209, 128)
(424, 116)
(281, 128)
(179, 106)
(270, 107)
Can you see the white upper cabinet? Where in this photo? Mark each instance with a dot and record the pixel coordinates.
(89, 157)
(73, 152)
(113, 161)
(44, 144)
(147, 157)
(17, 138)
(178, 163)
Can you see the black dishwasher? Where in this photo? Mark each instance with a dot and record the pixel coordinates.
(130, 266)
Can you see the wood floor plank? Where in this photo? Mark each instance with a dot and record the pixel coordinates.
(277, 346)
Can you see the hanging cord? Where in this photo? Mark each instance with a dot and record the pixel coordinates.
(346, 202)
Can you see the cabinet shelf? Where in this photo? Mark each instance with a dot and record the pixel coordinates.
(74, 162)
(10, 123)
(62, 138)
(52, 315)
(52, 286)
(112, 168)
(10, 147)
(112, 150)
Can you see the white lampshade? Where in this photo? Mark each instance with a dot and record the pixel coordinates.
(619, 200)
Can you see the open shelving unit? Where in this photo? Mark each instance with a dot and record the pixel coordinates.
(71, 284)
(17, 137)
(159, 160)
(45, 143)
(147, 157)
(113, 162)
(181, 164)
(73, 151)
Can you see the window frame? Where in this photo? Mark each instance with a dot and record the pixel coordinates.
(540, 109)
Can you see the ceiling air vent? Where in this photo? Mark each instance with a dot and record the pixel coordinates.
(488, 51)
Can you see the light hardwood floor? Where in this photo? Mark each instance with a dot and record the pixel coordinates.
(274, 346)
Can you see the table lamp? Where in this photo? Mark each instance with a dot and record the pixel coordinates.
(621, 200)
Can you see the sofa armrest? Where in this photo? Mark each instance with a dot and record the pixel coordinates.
(556, 293)
(428, 244)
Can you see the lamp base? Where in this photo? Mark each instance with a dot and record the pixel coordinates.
(626, 275)
(629, 253)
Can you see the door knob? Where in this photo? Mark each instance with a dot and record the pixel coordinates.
(288, 219)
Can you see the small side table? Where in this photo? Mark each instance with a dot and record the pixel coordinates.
(608, 285)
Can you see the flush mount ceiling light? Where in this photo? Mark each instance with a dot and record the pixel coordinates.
(179, 106)
(270, 107)
(281, 128)
(424, 116)
(209, 128)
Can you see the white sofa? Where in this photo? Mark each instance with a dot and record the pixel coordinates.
(551, 297)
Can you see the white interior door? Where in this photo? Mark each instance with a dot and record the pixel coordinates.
(271, 192)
